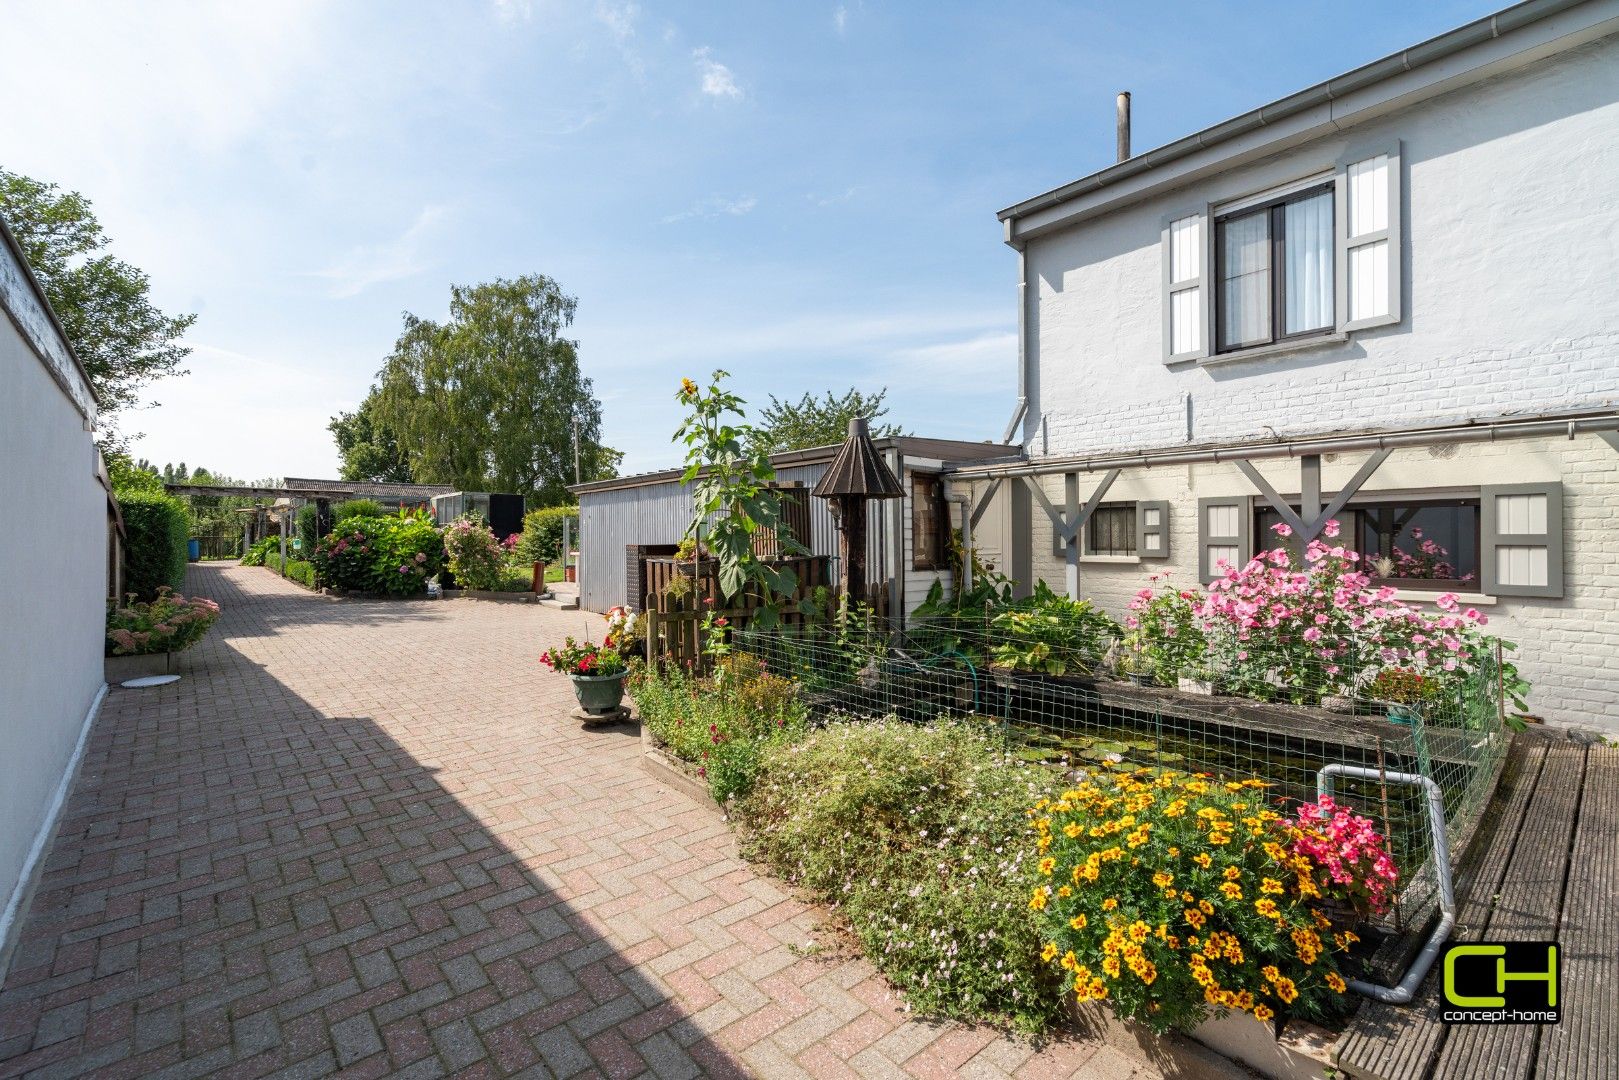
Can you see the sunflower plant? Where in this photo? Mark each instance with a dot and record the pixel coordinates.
(1174, 896)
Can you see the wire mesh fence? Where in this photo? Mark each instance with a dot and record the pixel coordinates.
(1064, 706)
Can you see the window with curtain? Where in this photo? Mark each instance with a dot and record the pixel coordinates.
(1112, 530)
(1275, 263)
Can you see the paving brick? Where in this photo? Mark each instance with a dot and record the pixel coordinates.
(362, 836)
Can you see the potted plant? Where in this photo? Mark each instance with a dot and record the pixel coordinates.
(143, 638)
(1402, 693)
(1199, 680)
(597, 673)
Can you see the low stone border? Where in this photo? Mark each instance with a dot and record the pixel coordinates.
(495, 594)
(670, 772)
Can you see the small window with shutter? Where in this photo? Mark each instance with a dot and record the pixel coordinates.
(1224, 536)
(1521, 544)
(1152, 529)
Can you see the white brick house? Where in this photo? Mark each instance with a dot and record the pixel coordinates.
(1401, 286)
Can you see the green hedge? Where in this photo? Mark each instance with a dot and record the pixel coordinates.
(156, 528)
(542, 534)
(357, 508)
(297, 570)
(308, 526)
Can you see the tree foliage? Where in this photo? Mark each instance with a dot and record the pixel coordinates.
(489, 400)
(367, 447)
(104, 303)
(817, 421)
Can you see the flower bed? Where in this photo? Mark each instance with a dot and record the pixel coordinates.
(169, 623)
(393, 556)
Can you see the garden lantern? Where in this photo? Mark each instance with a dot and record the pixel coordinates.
(857, 475)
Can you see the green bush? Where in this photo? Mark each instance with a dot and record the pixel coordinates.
(724, 723)
(357, 508)
(393, 555)
(918, 835)
(169, 623)
(256, 554)
(308, 527)
(156, 528)
(297, 569)
(541, 540)
(474, 555)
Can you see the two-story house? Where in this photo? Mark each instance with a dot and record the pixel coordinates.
(1392, 300)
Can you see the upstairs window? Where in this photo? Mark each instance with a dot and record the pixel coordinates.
(1274, 263)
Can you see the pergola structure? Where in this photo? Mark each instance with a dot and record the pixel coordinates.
(1311, 516)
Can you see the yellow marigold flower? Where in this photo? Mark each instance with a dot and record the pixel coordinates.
(1071, 830)
(1203, 859)
(1219, 839)
(1245, 1000)
(1098, 990)
(1336, 981)
(1111, 966)
(688, 388)
(1047, 864)
(1176, 808)
(1232, 890)
(1081, 974)
(1267, 908)
(1286, 991)
(1231, 873)
(1109, 904)
(1263, 1013)
(1069, 960)
(1037, 902)
(1043, 843)
(1271, 886)
(1078, 922)
(1139, 931)
(1194, 918)
(1275, 851)
(1270, 972)
(1049, 951)
(1173, 942)
(1174, 852)
(1211, 994)
(1162, 879)
(1065, 891)
(1205, 907)
(1187, 897)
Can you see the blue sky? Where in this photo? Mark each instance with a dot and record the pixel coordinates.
(803, 194)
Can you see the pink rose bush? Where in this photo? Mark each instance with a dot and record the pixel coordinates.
(1297, 626)
(475, 556)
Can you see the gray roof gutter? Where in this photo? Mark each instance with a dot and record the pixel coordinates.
(1438, 48)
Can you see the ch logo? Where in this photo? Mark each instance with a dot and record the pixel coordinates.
(1515, 982)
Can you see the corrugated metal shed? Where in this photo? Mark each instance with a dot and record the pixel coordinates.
(654, 509)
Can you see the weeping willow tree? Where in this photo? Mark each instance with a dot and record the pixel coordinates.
(491, 398)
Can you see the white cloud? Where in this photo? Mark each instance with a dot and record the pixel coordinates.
(392, 260)
(991, 353)
(714, 207)
(831, 200)
(840, 18)
(716, 79)
(514, 11)
(620, 19)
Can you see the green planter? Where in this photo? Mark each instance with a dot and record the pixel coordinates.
(599, 695)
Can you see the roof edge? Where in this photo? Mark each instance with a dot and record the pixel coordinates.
(84, 397)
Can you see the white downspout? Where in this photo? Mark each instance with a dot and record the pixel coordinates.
(1022, 338)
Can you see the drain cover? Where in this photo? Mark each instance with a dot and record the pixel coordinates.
(150, 680)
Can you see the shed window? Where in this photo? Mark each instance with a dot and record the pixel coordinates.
(1275, 268)
(930, 523)
(1112, 530)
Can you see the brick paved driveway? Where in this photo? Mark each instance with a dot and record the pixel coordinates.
(362, 836)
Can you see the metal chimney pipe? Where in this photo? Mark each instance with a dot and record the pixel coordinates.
(1124, 125)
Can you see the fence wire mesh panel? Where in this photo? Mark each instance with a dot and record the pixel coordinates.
(1075, 712)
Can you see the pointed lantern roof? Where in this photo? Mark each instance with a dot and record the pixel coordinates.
(858, 469)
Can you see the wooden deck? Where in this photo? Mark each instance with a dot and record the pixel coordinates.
(1544, 865)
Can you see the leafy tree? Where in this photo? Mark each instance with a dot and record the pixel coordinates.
(489, 400)
(104, 303)
(367, 447)
(812, 421)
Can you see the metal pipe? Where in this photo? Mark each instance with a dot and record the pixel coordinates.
(1022, 347)
(1122, 105)
(965, 501)
(1407, 988)
(1484, 431)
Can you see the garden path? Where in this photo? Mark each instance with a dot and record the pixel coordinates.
(363, 836)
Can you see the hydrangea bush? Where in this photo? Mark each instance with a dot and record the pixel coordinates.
(394, 555)
(1171, 896)
(474, 556)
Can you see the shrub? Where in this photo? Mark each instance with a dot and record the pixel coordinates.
(256, 554)
(723, 723)
(356, 508)
(391, 555)
(169, 623)
(308, 527)
(1052, 634)
(475, 556)
(297, 569)
(916, 835)
(1165, 626)
(1172, 896)
(156, 528)
(541, 539)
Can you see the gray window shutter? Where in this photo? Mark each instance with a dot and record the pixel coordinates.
(1187, 271)
(1369, 252)
(1521, 539)
(1152, 530)
(1224, 534)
